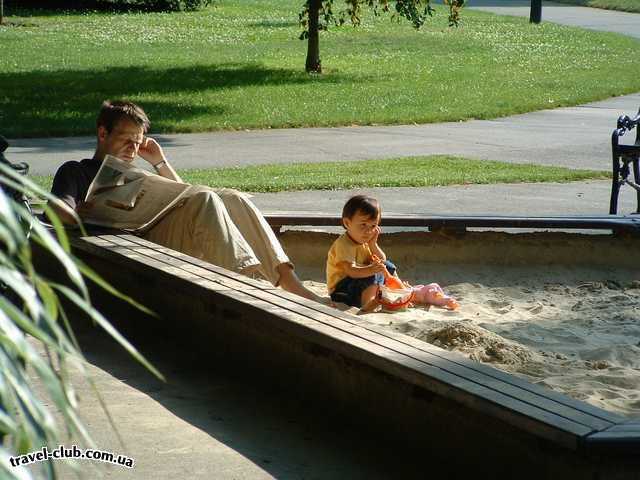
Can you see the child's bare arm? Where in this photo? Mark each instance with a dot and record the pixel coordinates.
(374, 247)
(354, 271)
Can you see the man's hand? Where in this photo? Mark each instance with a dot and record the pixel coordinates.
(84, 207)
(151, 151)
(65, 213)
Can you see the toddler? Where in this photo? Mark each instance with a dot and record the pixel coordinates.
(356, 264)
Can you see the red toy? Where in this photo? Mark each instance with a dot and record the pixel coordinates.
(396, 294)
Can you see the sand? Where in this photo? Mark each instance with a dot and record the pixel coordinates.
(561, 310)
(575, 335)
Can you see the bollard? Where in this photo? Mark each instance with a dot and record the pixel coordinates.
(536, 11)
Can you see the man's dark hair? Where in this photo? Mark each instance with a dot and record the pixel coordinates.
(112, 112)
(361, 203)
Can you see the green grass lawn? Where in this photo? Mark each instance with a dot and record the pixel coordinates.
(240, 65)
(622, 5)
(430, 171)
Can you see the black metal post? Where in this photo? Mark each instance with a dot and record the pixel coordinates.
(615, 178)
(636, 161)
(536, 11)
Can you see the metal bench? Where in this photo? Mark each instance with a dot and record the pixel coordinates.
(625, 156)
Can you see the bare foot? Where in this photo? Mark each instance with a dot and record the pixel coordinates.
(370, 307)
(327, 301)
(290, 282)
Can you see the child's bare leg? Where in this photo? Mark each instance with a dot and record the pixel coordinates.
(436, 296)
(369, 298)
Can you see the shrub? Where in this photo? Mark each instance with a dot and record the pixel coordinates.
(152, 5)
(119, 5)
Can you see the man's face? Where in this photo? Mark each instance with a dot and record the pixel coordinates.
(123, 141)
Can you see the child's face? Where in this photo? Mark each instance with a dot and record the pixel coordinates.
(361, 227)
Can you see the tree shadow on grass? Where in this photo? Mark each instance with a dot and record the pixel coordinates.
(65, 102)
(17, 11)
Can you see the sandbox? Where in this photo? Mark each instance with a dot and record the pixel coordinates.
(519, 295)
(561, 310)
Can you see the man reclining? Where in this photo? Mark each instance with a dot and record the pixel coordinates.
(221, 226)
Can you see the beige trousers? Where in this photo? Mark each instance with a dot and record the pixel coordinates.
(223, 227)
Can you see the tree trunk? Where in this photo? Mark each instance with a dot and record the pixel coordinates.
(313, 43)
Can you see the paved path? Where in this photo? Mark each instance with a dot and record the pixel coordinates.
(595, 19)
(575, 137)
(527, 199)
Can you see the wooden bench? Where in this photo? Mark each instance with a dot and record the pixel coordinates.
(466, 411)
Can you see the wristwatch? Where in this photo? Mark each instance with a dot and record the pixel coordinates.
(159, 164)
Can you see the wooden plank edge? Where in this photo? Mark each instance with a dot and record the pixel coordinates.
(148, 265)
(534, 399)
(453, 357)
(223, 272)
(157, 253)
(620, 440)
(533, 420)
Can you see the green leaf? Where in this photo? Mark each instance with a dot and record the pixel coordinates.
(106, 325)
(10, 221)
(23, 289)
(12, 473)
(59, 228)
(44, 239)
(98, 280)
(8, 239)
(48, 298)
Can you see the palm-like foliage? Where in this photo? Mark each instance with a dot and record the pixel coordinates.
(31, 319)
